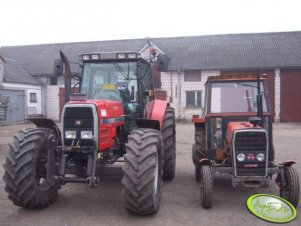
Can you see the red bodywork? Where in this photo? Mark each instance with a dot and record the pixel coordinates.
(106, 131)
(155, 110)
(232, 126)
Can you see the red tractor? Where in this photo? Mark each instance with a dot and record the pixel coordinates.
(234, 136)
(114, 117)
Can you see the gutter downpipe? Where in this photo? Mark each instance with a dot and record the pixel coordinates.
(171, 91)
(179, 94)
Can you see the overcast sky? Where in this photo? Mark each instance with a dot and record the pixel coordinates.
(24, 22)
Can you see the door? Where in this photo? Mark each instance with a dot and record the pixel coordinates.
(15, 106)
(290, 104)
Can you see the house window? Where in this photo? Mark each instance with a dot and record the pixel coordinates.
(192, 76)
(194, 99)
(33, 98)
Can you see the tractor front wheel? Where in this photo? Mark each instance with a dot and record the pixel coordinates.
(25, 170)
(206, 186)
(143, 171)
(290, 192)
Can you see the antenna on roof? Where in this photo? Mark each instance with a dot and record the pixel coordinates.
(152, 50)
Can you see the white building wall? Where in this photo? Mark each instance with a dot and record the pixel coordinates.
(173, 82)
(52, 103)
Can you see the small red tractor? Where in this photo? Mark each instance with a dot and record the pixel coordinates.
(114, 117)
(234, 136)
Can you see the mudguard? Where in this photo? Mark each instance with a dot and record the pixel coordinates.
(287, 163)
(205, 161)
(148, 123)
(158, 111)
(40, 121)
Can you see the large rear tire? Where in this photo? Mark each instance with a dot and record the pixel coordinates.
(143, 172)
(195, 160)
(206, 186)
(25, 170)
(291, 191)
(200, 140)
(198, 150)
(169, 141)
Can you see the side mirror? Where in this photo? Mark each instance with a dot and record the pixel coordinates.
(58, 67)
(162, 62)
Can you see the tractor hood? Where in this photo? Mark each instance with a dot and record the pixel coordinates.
(233, 126)
(105, 108)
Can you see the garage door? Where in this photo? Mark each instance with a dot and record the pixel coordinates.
(290, 104)
(12, 106)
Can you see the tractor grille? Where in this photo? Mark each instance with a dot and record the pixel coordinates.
(250, 143)
(78, 119)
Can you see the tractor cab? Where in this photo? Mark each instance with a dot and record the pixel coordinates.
(232, 102)
(120, 77)
(234, 136)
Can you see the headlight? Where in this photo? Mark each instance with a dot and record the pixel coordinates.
(121, 55)
(86, 134)
(260, 157)
(86, 57)
(132, 55)
(95, 57)
(241, 157)
(70, 134)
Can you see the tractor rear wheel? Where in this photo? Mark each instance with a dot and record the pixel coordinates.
(206, 186)
(198, 150)
(291, 191)
(200, 140)
(169, 141)
(195, 161)
(142, 171)
(25, 170)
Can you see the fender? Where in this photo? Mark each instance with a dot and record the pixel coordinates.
(287, 163)
(148, 123)
(198, 120)
(205, 161)
(199, 123)
(158, 111)
(40, 121)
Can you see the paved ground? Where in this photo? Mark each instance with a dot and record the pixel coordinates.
(80, 205)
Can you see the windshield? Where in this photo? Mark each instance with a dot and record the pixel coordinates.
(109, 80)
(235, 97)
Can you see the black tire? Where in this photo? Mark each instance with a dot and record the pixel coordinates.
(206, 186)
(142, 172)
(200, 140)
(291, 191)
(198, 150)
(25, 170)
(169, 144)
(195, 161)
